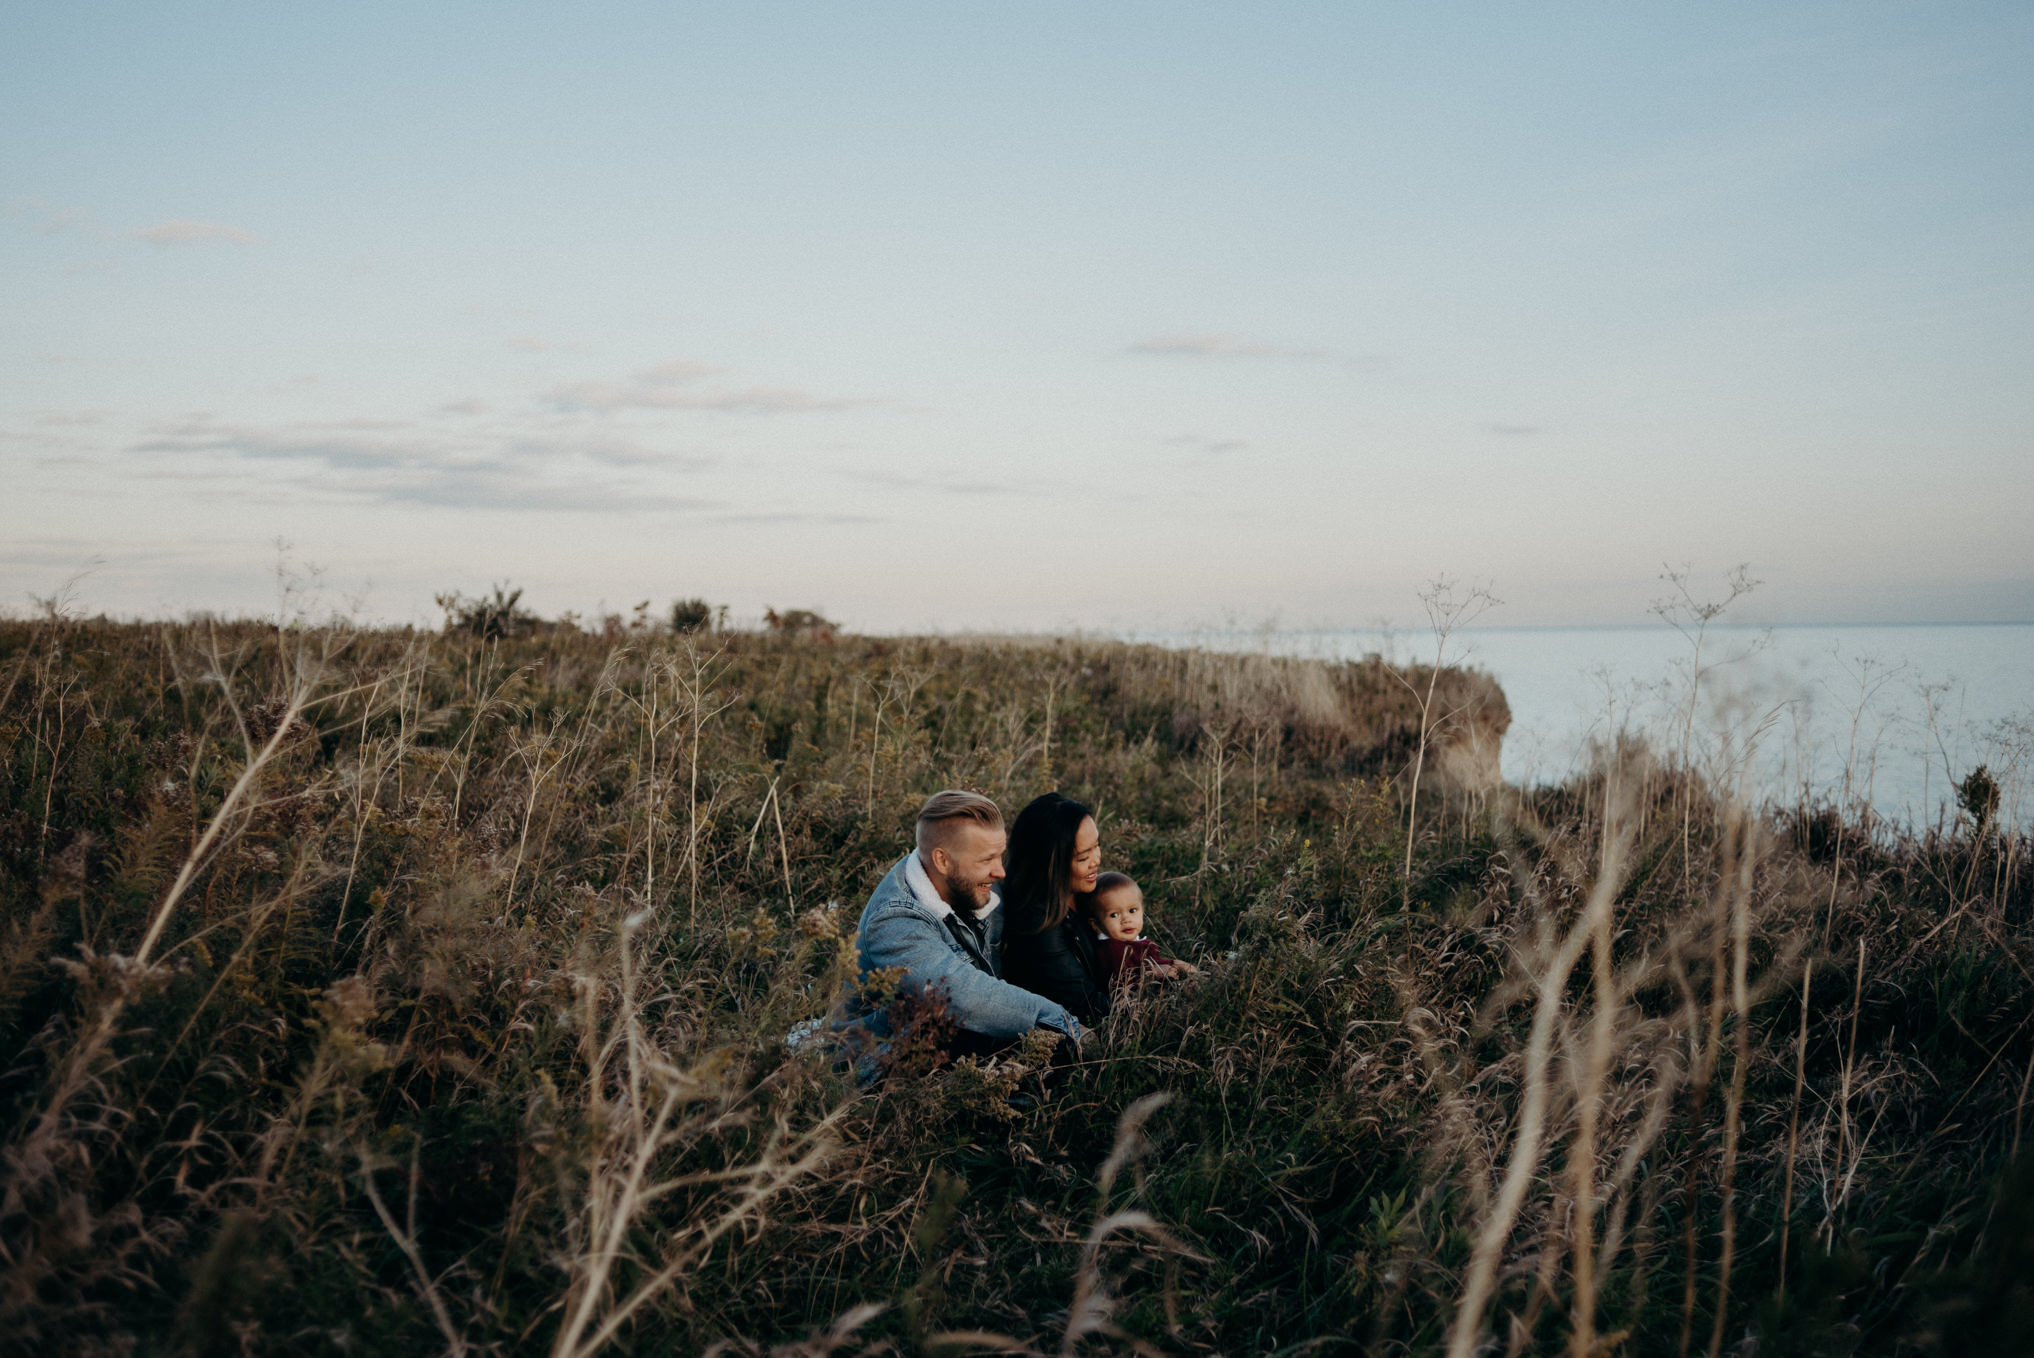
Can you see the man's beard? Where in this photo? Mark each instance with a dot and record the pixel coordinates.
(969, 895)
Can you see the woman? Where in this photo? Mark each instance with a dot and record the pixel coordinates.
(1055, 854)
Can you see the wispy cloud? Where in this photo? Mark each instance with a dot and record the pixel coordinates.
(554, 451)
(536, 344)
(47, 217)
(794, 516)
(53, 433)
(948, 485)
(52, 218)
(363, 425)
(1220, 346)
(180, 232)
(60, 552)
(387, 462)
(673, 386)
(1208, 446)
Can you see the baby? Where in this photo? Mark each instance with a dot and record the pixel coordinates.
(1116, 910)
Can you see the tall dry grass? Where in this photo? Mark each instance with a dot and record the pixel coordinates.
(386, 991)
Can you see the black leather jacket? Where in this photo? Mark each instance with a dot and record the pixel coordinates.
(1060, 964)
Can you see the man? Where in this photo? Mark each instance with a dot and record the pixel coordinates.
(937, 916)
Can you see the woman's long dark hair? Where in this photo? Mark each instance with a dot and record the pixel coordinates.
(1038, 865)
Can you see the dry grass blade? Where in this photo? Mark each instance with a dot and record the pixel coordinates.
(1093, 1307)
(405, 1238)
(768, 1177)
(1523, 1164)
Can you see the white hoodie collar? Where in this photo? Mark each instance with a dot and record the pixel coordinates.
(923, 892)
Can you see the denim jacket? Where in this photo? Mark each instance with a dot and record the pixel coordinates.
(899, 930)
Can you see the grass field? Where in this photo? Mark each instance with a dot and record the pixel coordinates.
(376, 992)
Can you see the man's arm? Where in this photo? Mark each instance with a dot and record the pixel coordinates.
(976, 1000)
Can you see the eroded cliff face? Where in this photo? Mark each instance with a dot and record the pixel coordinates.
(1363, 717)
(1466, 754)
(1465, 738)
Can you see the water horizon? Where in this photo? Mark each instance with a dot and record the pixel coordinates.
(1885, 715)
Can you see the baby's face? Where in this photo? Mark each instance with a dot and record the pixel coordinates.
(1120, 913)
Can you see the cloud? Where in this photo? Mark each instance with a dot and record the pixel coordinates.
(771, 401)
(66, 552)
(380, 462)
(606, 452)
(179, 232)
(49, 219)
(668, 386)
(1513, 430)
(791, 516)
(1211, 447)
(54, 432)
(675, 372)
(534, 344)
(363, 426)
(1235, 346)
(335, 451)
(950, 487)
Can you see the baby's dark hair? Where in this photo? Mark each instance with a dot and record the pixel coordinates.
(1104, 884)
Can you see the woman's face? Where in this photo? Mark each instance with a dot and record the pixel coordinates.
(1087, 857)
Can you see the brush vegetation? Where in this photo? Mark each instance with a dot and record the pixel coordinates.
(373, 992)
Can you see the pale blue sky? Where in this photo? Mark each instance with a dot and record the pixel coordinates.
(1021, 315)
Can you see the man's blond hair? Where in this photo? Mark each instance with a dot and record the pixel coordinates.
(938, 818)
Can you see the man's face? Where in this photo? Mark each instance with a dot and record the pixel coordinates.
(1120, 914)
(971, 860)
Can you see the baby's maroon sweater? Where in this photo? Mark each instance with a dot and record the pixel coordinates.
(1124, 962)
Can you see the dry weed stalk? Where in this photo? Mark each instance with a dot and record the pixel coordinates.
(1092, 1304)
(1447, 613)
(1589, 1108)
(1867, 689)
(692, 672)
(1739, 857)
(1524, 1161)
(405, 1237)
(32, 1156)
(1605, 1076)
(773, 805)
(1208, 778)
(663, 1111)
(387, 756)
(1691, 618)
(1794, 1130)
(62, 1134)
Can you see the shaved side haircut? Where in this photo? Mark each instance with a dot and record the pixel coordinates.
(945, 811)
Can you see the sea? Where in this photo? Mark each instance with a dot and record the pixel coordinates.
(1889, 717)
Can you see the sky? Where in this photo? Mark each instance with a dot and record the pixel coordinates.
(971, 316)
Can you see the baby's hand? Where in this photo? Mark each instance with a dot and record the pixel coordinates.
(1186, 968)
